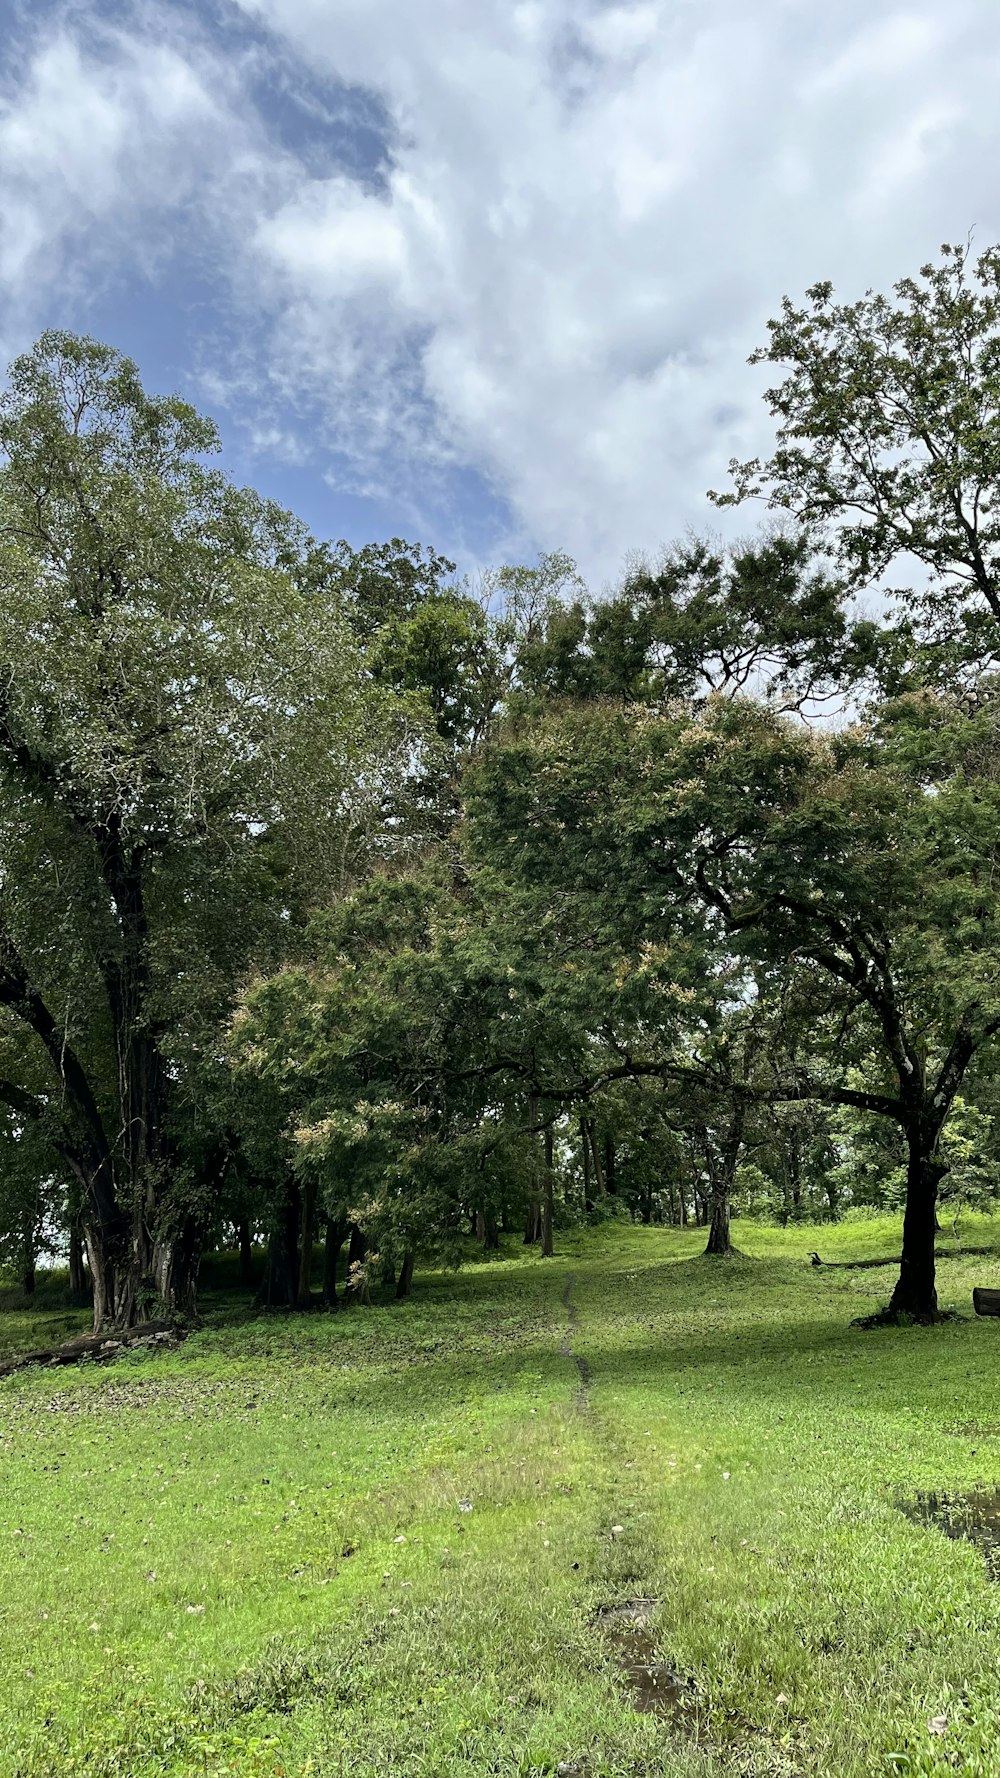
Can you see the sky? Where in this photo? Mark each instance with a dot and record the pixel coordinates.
(483, 274)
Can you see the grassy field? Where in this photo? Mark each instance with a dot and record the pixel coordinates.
(379, 1542)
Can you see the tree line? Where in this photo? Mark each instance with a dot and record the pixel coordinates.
(343, 899)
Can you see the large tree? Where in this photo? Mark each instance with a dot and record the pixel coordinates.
(888, 453)
(184, 747)
(852, 873)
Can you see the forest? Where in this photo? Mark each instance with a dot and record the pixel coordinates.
(457, 955)
(346, 899)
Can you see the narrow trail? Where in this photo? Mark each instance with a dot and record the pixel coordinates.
(582, 1367)
(652, 1685)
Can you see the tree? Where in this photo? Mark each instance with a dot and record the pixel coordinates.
(764, 615)
(182, 740)
(889, 452)
(854, 871)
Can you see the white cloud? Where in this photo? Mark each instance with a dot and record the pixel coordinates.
(86, 142)
(589, 213)
(334, 241)
(593, 210)
(883, 50)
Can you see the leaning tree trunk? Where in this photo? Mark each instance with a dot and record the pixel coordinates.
(404, 1283)
(916, 1291)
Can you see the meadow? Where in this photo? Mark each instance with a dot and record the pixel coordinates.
(386, 1541)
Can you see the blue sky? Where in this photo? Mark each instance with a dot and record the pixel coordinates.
(481, 275)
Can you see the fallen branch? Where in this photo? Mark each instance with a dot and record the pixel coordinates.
(99, 1346)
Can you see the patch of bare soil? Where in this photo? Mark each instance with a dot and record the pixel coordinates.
(974, 1516)
(654, 1684)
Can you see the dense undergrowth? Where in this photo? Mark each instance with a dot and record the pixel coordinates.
(376, 1542)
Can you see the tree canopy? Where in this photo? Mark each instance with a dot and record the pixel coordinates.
(342, 895)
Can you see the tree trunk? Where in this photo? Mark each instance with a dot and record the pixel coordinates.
(130, 1273)
(333, 1241)
(481, 1226)
(533, 1225)
(609, 1166)
(279, 1286)
(306, 1247)
(722, 1172)
(138, 1270)
(718, 1234)
(588, 1203)
(116, 1221)
(596, 1158)
(174, 1270)
(77, 1275)
(28, 1277)
(245, 1241)
(140, 1265)
(916, 1293)
(795, 1172)
(491, 1234)
(547, 1203)
(102, 1273)
(404, 1283)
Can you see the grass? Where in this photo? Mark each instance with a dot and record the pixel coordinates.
(374, 1543)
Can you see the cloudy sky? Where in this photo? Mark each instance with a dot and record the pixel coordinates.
(483, 273)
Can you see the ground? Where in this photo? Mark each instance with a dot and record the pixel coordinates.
(380, 1542)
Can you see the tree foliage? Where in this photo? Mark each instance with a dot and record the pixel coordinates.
(341, 895)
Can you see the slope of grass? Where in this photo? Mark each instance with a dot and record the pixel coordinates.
(374, 1543)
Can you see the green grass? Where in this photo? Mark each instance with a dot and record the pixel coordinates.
(249, 1556)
